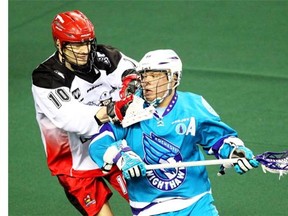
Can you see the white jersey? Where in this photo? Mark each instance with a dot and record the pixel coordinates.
(66, 103)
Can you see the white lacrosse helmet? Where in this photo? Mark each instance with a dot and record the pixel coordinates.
(162, 60)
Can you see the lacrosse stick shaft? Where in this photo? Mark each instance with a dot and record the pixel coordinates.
(192, 163)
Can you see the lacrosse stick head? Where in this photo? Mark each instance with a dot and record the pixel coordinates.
(137, 112)
(274, 162)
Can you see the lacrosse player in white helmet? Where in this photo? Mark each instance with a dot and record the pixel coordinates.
(183, 123)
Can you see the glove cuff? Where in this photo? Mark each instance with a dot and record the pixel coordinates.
(119, 154)
(227, 148)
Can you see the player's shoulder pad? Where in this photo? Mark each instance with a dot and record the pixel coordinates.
(189, 96)
(197, 102)
(50, 74)
(108, 58)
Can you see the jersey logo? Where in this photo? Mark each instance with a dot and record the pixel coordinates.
(158, 150)
(104, 59)
(59, 73)
(185, 126)
(105, 98)
(76, 93)
(88, 200)
(181, 128)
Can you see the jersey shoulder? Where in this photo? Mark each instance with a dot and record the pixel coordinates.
(197, 103)
(107, 58)
(51, 74)
(189, 96)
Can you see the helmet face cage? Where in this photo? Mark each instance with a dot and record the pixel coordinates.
(170, 85)
(91, 47)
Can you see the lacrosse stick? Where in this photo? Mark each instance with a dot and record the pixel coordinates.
(136, 113)
(274, 162)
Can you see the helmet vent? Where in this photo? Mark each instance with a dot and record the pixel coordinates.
(161, 63)
(58, 24)
(174, 57)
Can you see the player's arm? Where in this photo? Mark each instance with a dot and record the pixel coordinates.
(233, 147)
(64, 111)
(116, 111)
(222, 140)
(100, 142)
(106, 151)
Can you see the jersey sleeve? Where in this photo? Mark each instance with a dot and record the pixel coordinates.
(211, 128)
(64, 111)
(107, 135)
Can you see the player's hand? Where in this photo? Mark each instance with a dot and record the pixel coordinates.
(131, 81)
(127, 161)
(246, 162)
(130, 163)
(117, 110)
(233, 147)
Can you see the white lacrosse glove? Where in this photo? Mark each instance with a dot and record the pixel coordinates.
(126, 160)
(233, 147)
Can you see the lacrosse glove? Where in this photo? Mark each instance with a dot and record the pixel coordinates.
(126, 160)
(233, 147)
(116, 110)
(131, 82)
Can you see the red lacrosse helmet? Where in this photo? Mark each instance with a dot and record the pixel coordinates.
(72, 27)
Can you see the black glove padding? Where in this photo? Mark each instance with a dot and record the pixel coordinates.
(117, 110)
(131, 81)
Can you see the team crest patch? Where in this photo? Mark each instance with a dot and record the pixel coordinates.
(59, 73)
(158, 150)
(76, 93)
(181, 128)
(105, 98)
(88, 200)
(104, 59)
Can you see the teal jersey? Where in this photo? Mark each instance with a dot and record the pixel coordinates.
(186, 125)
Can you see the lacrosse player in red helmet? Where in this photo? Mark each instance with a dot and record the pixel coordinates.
(68, 88)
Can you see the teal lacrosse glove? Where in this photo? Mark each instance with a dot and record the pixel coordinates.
(233, 147)
(126, 160)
